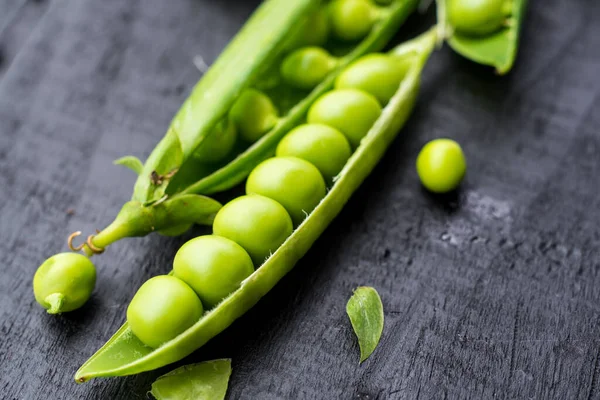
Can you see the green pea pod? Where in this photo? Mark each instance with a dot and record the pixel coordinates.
(260, 41)
(498, 49)
(125, 354)
(237, 170)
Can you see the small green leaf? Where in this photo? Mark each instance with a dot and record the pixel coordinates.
(203, 381)
(366, 315)
(131, 162)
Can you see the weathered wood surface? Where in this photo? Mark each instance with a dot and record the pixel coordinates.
(494, 293)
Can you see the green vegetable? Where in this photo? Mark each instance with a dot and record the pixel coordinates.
(476, 17)
(254, 114)
(352, 112)
(321, 145)
(207, 380)
(213, 266)
(484, 31)
(366, 315)
(64, 282)
(294, 183)
(441, 165)
(131, 162)
(377, 74)
(314, 30)
(352, 20)
(307, 67)
(219, 144)
(162, 308)
(258, 224)
(125, 354)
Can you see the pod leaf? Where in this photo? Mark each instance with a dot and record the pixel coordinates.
(203, 381)
(499, 49)
(366, 315)
(131, 162)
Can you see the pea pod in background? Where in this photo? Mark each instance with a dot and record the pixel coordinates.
(484, 31)
(125, 354)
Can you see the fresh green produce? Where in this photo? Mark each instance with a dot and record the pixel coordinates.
(484, 31)
(365, 311)
(213, 266)
(307, 67)
(293, 182)
(254, 115)
(313, 30)
(243, 221)
(441, 165)
(352, 20)
(257, 223)
(64, 282)
(476, 17)
(351, 111)
(321, 145)
(207, 380)
(218, 145)
(378, 74)
(162, 308)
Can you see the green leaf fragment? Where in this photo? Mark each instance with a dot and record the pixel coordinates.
(131, 162)
(366, 315)
(203, 381)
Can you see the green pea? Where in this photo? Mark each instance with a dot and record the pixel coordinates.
(254, 115)
(321, 145)
(163, 308)
(476, 17)
(352, 20)
(441, 165)
(213, 266)
(307, 67)
(257, 223)
(377, 74)
(352, 112)
(64, 282)
(314, 31)
(218, 144)
(294, 183)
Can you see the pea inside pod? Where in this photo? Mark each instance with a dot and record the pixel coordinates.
(377, 74)
(307, 67)
(477, 17)
(352, 20)
(321, 145)
(352, 112)
(162, 308)
(257, 223)
(294, 183)
(254, 115)
(64, 282)
(213, 266)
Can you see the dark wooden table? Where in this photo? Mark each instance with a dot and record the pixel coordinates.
(492, 293)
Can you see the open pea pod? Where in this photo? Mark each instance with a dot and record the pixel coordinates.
(238, 169)
(125, 354)
(247, 61)
(497, 49)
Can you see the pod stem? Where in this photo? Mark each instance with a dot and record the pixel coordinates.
(55, 301)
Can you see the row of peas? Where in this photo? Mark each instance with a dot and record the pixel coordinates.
(280, 193)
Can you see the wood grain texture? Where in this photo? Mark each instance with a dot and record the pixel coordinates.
(489, 293)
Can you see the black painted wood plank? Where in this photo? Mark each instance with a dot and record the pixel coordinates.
(492, 293)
